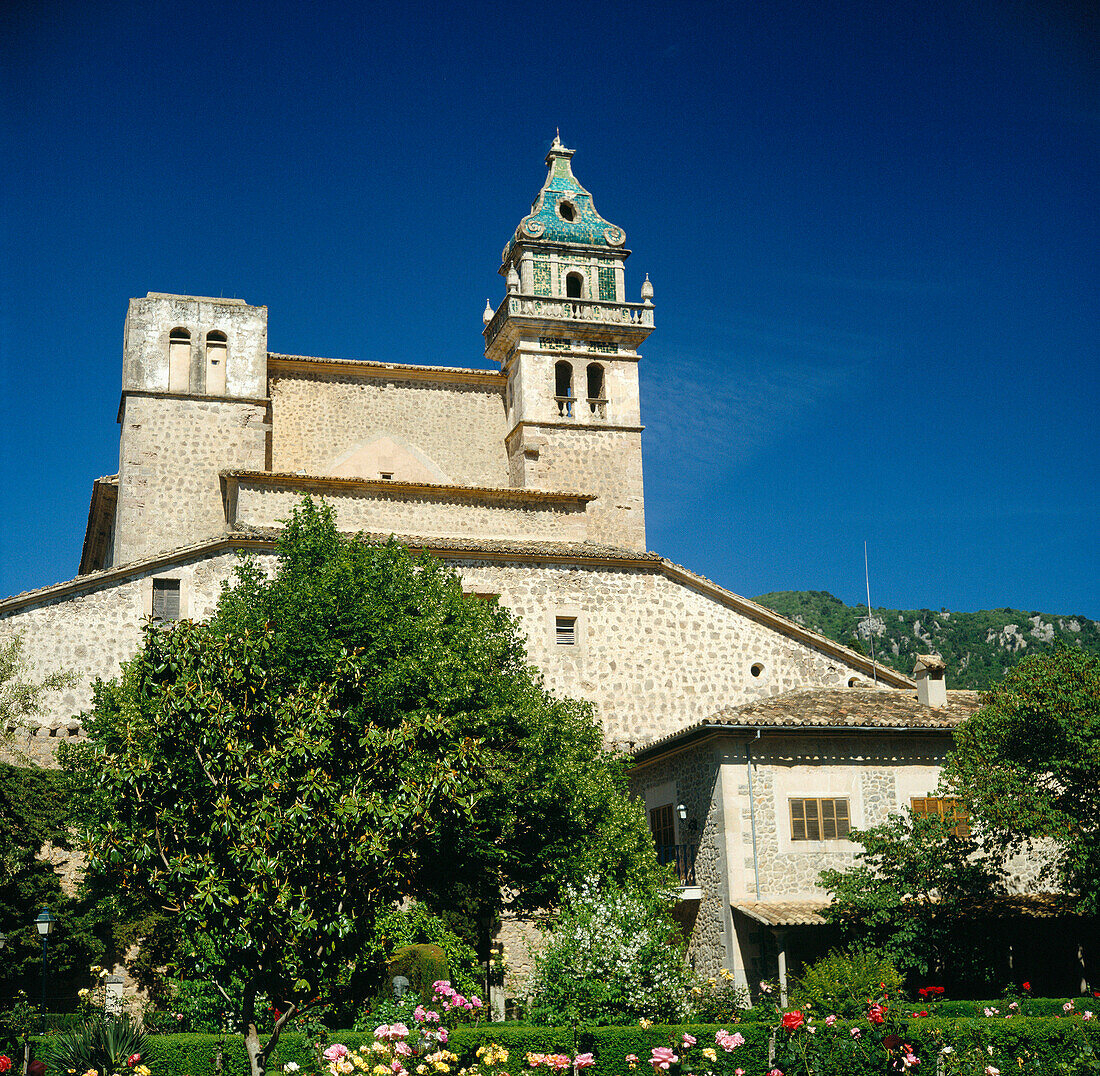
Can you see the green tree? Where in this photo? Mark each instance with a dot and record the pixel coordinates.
(1028, 765)
(918, 894)
(350, 732)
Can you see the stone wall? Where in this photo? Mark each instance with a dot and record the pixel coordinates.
(94, 628)
(171, 452)
(319, 417)
(411, 511)
(602, 461)
(653, 654)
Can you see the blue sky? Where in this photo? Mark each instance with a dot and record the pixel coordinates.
(872, 231)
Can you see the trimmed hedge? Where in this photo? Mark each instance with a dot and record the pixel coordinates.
(1041, 1043)
(1028, 1006)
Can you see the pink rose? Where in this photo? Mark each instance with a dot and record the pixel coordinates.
(335, 1052)
(689, 1040)
(583, 1061)
(661, 1057)
(830, 1020)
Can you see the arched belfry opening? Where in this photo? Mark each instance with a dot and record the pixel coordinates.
(217, 351)
(574, 286)
(563, 388)
(597, 401)
(179, 360)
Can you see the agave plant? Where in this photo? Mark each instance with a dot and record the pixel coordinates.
(105, 1043)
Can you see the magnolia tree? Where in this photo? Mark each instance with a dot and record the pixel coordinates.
(348, 733)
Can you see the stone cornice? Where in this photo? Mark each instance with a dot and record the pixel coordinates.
(306, 364)
(157, 394)
(561, 425)
(336, 483)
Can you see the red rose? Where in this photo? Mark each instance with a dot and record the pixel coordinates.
(792, 1021)
(5, 1062)
(877, 1014)
(1027, 986)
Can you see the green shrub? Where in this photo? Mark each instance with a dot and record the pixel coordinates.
(421, 964)
(614, 956)
(842, 982)
(415, 924)
(103, 1043)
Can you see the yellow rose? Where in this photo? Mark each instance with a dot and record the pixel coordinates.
(709, 1054)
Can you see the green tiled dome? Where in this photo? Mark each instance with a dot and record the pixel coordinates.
(563, 212)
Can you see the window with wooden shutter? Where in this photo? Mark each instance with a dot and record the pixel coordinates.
(819, 819)
(166, 599)
(662, 826)
(952, 811)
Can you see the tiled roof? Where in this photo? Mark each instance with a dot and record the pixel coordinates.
(844, 706)
(810, 913)
(830, 708)
(784, 913)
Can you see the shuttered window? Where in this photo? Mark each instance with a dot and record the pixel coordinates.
(662, 826)
(565, 630)
(952, 811)
(819, 820)
(166, 599)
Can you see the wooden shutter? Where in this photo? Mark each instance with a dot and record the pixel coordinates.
(166, 599)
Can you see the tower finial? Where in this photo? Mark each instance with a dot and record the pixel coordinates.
(557, 139)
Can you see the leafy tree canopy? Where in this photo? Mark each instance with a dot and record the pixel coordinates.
(916, 893)
(1028, 764)
(350, 732)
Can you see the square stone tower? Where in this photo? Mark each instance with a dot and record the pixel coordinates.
(568, 342)
(194, 388)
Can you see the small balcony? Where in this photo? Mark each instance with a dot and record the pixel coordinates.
(566, 406)
(682, 857)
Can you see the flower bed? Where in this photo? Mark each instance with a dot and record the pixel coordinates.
(1024, 1044)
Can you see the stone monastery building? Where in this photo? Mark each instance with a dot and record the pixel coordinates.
(528, 480)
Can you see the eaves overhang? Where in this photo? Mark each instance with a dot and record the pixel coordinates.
(695, 734)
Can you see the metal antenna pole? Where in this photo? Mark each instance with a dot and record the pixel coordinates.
(870, 624)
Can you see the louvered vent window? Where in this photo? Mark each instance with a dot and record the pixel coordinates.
(166, 599)
(819, 820)
(565, 630)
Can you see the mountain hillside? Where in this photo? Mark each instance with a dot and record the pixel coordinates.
(978, 647)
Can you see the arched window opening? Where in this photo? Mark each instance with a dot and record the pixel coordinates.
(567, 211)
(597, 402)
(179, 360)
(217, 351)
(574, 286)
(563, 388)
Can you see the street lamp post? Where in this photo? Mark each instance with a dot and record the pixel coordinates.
(44, 923)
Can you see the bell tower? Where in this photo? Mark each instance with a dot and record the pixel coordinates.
(568, 341)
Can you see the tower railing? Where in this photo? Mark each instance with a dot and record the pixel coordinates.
(600, 311)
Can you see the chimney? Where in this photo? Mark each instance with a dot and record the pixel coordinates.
(931, 686)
